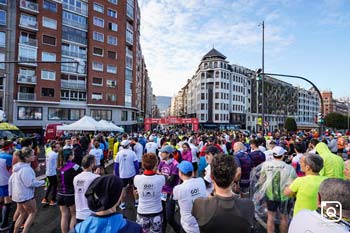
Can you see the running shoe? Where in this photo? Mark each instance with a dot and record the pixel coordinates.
(44, 201)
(122, 206)
(53, 203)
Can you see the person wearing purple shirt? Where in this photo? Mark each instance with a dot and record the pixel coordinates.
(255, 154)
(168, 168)
(186, 152)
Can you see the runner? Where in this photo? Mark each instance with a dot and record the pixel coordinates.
(81, 183)
(305, 188)
(21, 188)
(138, 149)
(65, 196)
(51, 175)
(168, 168)
(126, 167)
(98, 153)
(5, 173)
(103, 197)
(151, 146)
(299, 150)
(210, 152)
(149, 186)
(186, 193)
(224, 212)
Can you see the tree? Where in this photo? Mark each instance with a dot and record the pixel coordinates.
(336, 120)
(290, 124)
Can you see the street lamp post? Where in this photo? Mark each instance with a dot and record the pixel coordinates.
(262, 78)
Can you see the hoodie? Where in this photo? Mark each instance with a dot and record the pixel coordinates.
(22, 182)
(109, 223)
(333, 165)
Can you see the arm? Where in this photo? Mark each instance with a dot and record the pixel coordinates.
(30, 181)
(288, 192)
(116, 168)
(136, 166)
(171, 180)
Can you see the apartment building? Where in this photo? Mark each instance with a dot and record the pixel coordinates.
(91, 62)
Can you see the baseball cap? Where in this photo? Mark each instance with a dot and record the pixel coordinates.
(167, 149)
(104, 192)
(125, 143)
(278, 151)
(185, 167)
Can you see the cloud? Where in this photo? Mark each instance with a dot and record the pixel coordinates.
(176, 34)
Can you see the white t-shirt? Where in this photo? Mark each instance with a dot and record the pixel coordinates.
(98, 153)
(308, 221)
(151, 147)
(207, 178)
(51, 163)
(195, 152)
(149, 189)
(138, 149)
(185, 194)
(81, 183)
(126, 158)
(268, 155)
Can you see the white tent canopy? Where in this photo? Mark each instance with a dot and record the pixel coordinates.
(86, 123)
(111, 126)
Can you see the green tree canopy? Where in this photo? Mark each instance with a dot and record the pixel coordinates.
(290, 124)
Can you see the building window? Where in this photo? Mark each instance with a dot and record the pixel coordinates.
(113, 26)
(216, 117)
(202, 106)
(45, 56)
(99, 114)
(97, 66)
(112, 40)
(111, 97)
(48, 75)
(49, 40)
(97, 81)
(96, 96)
(27, 54)
(128, 74)
(2, 17)
(202, 117)
(47, 92)
(98, 36)
(75, 35)
(75, 5)
(74, 20)
(111, 83)
(99, 22)
(111, 69)
(115, 2)
(129, 33)
(98, 51)
(202, 96)
(30, 113)
(51, 6)
(112, 13)
(2, 58)
(72, 95)
(98, 8)
(2, 39)
(130, 8)
(112, 55)
(3, 2)
(124, 116)
(49, 23)
(65, 114)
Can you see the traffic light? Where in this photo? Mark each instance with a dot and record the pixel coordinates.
(258, 75)
(320, 118)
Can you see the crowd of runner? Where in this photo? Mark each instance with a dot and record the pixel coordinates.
(217, 180)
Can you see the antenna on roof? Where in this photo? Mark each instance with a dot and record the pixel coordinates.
(213, 46)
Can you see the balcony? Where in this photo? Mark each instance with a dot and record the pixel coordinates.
(70, 84)
(27, 60)
(26, 79)
(28, 24)
(75, 9)
(28, 41)
(75, 24)
(26, 96)
(29, 6)
(73, 54)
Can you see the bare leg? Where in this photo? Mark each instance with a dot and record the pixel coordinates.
(64, 219)
(73, 219)
(30, 208)
(271, 221)
(284, 223)
(21, 216)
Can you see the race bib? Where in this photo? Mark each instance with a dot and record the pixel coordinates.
(163, 196)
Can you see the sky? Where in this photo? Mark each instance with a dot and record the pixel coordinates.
(309, 38)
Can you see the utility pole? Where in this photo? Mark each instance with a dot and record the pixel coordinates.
(263, 79)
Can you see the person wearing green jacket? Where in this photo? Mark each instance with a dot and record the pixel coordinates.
(333, 164)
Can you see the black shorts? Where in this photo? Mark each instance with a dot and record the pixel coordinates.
(284, 207)
(65, 200)
(22, 202)
(128, 181)
(195, 166)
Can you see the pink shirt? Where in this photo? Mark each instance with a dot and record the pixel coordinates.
(187, 155)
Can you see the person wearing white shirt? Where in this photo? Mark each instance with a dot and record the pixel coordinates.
(269, 153)
(151, 146)
(195, 153)
(149, 187)
(51, 174)
(98, 153)
(210, 152)
(126, 166)
(81, 183)
(186, 193)
(138, 149)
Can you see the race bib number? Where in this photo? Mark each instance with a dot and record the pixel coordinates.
(163, 196)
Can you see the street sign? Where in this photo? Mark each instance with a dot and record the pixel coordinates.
(259, 120)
